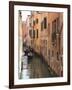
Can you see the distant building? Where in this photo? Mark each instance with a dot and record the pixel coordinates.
(26, 31)
(36, 27)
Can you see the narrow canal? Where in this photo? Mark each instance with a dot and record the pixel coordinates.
(35, 67)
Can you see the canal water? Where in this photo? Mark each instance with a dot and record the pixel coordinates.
(35, 68)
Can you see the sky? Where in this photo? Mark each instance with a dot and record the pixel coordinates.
(25, 14)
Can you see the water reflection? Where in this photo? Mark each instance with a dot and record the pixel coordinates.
(35, 67)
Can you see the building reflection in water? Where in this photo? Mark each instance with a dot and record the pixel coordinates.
(35, 68)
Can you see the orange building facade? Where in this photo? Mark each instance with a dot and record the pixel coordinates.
(45, 36)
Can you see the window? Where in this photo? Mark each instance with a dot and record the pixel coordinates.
(57, 25)
(48, 28)
(37, 21)
(54, 31)
(61, 60)
(34, 23)
(54, 26)
(57, 56)
(37, 33)
(45, 23)
(42, 26)
(33, 33)
(49, 54)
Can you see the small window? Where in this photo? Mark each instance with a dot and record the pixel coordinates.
(34, 23)
(58, 25)
(37, 21)
(33, 33)
(45, 23)
(49, 54)
(42, 26)
(54, 31)
(57, 56)
(48, 28)
(37, 33)
(54, 26)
